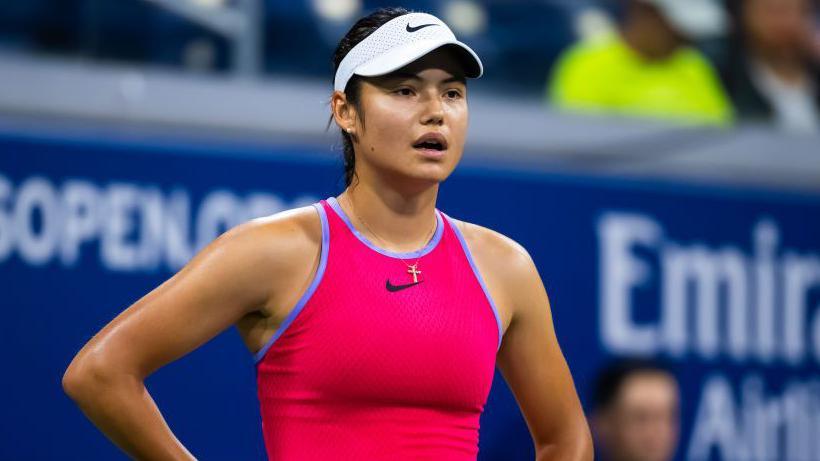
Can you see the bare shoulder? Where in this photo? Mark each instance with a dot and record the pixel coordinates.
(286, 249)
(259, 257)
(486, 244)
(505, 265)
(280, 231)
(282, 241)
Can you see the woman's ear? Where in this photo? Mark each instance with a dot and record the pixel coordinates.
(343, 112)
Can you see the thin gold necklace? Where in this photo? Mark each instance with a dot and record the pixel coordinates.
(411, 268)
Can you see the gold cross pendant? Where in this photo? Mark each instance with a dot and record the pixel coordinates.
(412, 270)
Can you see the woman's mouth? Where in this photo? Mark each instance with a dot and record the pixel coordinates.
(431, 145)
(430, 151)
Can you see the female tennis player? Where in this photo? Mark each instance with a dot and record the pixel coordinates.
(376, 320)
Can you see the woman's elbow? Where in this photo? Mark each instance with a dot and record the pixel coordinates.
(587, 450)
(75, 379)
(84, 377)
(576, 445)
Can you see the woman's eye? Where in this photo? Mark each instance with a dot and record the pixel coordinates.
(453, 94)
(404, 91)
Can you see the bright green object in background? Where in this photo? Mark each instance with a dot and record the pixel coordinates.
(606, 76)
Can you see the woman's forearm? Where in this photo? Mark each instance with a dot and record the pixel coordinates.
(576, 446)
(556, 453)
(123, 410)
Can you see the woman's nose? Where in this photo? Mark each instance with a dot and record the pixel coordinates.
(433, 111)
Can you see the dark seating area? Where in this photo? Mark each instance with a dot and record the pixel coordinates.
(518, 39)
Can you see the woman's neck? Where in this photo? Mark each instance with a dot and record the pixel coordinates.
(788, 67)
(401, 221)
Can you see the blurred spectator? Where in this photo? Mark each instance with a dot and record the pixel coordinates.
(635, 414)
(774, 74)
(647, 68)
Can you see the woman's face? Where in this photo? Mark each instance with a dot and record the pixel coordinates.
(778, 26)
(423, 101)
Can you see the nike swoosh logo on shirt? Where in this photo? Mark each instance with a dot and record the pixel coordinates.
(394, 288)
(413, 29)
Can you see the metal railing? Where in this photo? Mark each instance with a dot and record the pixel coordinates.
(241, 24)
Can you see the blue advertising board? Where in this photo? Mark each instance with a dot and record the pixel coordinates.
(722, 283)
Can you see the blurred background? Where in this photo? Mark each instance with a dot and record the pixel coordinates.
(660, 160)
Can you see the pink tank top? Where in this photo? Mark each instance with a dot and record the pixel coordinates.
(372, 365)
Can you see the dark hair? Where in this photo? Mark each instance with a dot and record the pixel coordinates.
(611, 379)
(360, 30)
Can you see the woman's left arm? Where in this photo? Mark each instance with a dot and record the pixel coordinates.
(534, 367)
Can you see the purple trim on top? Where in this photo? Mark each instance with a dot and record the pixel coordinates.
(408, 255)
(320, 272)
(478, 276)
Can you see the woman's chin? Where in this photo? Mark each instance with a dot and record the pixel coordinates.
(422, 175)
(434, 174)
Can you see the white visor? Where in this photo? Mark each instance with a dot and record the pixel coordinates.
(694, 19)
(399, 42)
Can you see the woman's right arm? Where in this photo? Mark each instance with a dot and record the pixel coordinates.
(234, 275)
